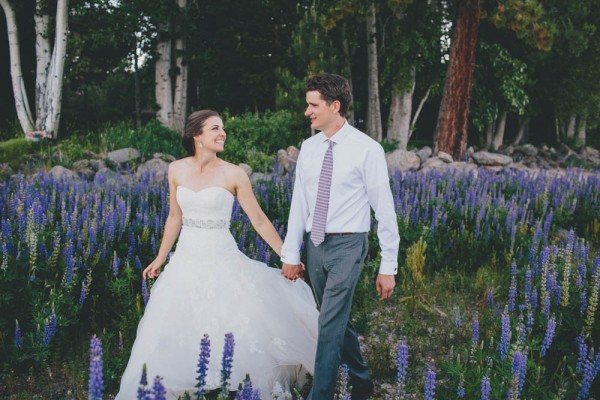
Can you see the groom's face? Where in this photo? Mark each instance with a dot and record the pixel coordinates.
(321, 114)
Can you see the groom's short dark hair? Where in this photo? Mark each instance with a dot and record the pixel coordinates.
(332, 87)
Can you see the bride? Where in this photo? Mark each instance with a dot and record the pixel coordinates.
(210, 287)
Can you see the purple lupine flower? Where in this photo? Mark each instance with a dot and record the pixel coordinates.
(143, 392)
(505, 335)
(486, 387)
(83, 292)
(512, 291)
(523, 372)
(475, 332)
(49, 329)
(546, 304)
(460, 391)
(158, 389)
(528, 276)
(583, 306)
(582, 353)
(402, 366)
(549, 335)
(202, 370)
(534, 299)
(227, 362)
(138, 263)
(513, 391)
(429, 384)
(96, 383)
(490, 298)
(145, 294)
(589, 373)
(18, 339)
(115, 264)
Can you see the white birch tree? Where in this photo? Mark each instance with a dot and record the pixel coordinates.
(374, 127)
(50, 61)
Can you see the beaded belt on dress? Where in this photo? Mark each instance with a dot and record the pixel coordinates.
(206, 223)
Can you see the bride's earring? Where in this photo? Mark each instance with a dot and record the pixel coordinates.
(200, 145)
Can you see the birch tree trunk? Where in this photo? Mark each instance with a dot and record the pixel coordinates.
(521, 133)
(581, 132)
(499, 137)
(347, 70)
(18, 83)
(181, 84)
(374, 128)
(49, 113)
(489, 134)
(571, 127)
(164, 88)
(451, 130)
(399, 126)
(43, 57)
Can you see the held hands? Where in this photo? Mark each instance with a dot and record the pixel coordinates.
(153, 270)
(385, 286)
(292, 272)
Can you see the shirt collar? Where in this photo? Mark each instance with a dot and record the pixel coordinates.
(339, 135)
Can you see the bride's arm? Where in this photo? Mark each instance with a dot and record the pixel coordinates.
(259, 220)
(172, 229)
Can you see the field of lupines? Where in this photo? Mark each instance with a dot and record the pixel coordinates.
(497, 294)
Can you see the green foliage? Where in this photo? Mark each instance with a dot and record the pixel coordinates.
(250, 135)
(17, 152)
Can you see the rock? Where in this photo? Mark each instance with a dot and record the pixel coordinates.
(486, 158)
(563, 148)
(59, 173)
(123, 156)
(293, 152)
(527, 149)
(247, 169)
(97, 165)
(257, 177)
(156, 167)
(424, 153)
(106, 176)
(285, 161)
(507, 150)
(434, 163)
(402, 160)
(445, 157)
(164, 156)
(590, 152)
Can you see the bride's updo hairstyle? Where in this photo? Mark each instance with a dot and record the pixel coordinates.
(193, 127)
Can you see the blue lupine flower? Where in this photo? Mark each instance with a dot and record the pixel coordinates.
(143, 392)
(227, 363)
(83, 292)
(505, 335)
(582, 353)
(523, 372)
(490, 298)
(402, 365)
(429, 384)
(589, 373)
(158, 389)
(512, 291)
(460, 391)
(96, 383)
(18, 339)
(145, 294)
(486, 387)
(549, 335)
(475, 332)
(115, 265)
(202, 370)
(49, 329)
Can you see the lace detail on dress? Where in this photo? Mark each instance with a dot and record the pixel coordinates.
(206, 223)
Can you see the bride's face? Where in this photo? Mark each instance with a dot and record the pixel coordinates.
(213, 135)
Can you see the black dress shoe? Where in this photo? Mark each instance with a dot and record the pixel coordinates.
(363, 392)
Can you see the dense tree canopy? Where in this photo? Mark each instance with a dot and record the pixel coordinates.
(534, 64)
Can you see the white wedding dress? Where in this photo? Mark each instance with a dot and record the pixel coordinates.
(210, 287)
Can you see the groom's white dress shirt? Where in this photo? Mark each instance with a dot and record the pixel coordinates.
(359, 181)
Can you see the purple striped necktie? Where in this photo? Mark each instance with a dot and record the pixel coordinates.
(317, 234)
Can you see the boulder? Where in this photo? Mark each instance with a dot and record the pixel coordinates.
(590, 152)
(486, 158)
(445, 157)
(434, 163)
(59, 173)
(293, 152)
(424, 153)
(164, 156)
(123, 156)
(156, 167)
(402, 160)
(106, 176)
(527, 149)
(285, 161)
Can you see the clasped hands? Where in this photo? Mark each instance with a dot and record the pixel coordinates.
(292, 272)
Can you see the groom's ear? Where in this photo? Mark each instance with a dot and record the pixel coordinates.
(336, 106)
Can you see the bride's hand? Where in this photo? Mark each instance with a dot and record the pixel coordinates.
(153, 270)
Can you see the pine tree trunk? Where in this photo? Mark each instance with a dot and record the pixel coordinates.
(499, 137)
(400, 113)
(18, 84)
(374, 128)
(451, 131)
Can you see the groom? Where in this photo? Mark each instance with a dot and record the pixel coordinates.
(341, 173)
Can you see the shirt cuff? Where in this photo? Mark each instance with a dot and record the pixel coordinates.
(388, 268)
(290, 258)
